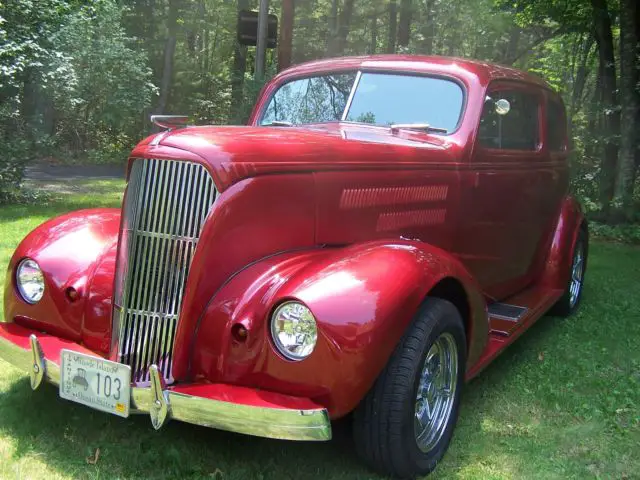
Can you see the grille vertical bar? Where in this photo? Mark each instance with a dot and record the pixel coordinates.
(165, 207)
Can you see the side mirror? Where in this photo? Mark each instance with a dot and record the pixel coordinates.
(502, 106)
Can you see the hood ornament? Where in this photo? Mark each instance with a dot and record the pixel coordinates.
(170, 121)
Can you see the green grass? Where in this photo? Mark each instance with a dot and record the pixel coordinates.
(563, 402)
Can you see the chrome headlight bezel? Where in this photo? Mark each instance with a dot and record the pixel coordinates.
(294, 330)
(23, 278)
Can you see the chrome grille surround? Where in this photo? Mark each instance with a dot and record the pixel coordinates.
(164, 209)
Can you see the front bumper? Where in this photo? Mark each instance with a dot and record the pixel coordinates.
(225, 407)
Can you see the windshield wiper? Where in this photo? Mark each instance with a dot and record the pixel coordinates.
(278, 123)
(416, 126)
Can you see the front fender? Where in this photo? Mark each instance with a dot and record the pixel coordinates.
(73, 250)
(363, 296)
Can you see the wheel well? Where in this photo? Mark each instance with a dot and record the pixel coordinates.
(584, 226)
(452, 290)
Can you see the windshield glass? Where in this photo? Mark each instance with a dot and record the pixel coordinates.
(379, 99)
(310, 100)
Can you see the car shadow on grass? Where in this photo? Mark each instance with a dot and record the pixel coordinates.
(64, 435)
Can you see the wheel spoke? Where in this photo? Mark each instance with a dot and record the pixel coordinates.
(445, 393)
(428, 408)
(436, 391)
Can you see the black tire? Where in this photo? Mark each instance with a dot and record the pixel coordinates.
(384, 421)
(567, 305)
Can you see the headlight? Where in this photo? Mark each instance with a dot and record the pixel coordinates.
(294, 330)
(30, 281)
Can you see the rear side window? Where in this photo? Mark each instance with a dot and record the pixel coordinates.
(556, 127)
(518, 129)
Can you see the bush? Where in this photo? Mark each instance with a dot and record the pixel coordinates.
(624, 233)
(16, 153)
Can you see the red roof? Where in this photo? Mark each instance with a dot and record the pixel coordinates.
(483, 71)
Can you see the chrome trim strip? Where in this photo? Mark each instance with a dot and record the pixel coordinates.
(351, 94)
(164, 210)
(279, 423)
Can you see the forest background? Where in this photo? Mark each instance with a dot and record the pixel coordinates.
(79, 79)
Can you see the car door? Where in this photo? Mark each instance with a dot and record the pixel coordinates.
(507, 204)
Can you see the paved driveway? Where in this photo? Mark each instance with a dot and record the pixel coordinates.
(69, 178)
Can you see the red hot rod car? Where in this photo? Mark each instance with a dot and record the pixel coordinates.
(381, 230)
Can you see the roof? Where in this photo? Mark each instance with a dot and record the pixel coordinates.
(484, 71)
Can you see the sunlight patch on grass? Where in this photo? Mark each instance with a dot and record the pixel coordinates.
(509, 428)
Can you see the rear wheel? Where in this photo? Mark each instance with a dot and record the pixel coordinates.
(570, 300)
(404, 424)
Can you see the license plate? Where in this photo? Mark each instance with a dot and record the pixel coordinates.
(95, 382)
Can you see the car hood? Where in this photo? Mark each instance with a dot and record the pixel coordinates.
(236, 152)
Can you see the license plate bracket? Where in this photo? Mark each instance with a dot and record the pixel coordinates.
(95, 382)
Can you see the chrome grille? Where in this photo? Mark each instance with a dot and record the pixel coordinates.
(165, 207)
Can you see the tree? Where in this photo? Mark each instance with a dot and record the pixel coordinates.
(339, 26)
(428, 29)
(169, 52)
(608, 100)
(238, 70)
(393, 17)
(630, 101)
(344, 24)
(404, 24)
(286, 34)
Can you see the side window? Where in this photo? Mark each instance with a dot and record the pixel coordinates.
(515, 130)
(556, 127)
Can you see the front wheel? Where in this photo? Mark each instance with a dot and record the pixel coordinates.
(404, 424)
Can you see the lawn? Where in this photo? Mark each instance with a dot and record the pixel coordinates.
(563, 402)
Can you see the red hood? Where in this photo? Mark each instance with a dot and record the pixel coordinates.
(233, 153)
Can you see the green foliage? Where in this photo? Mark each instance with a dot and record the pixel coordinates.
(15, 155)
(71, 83)
(625, 233)
(78, 80)
(26, 44)
(108, 87)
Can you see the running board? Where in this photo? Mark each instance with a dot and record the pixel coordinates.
(504, 311)
(534, 302)
(510, 315)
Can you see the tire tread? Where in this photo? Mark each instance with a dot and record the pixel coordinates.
(378, 421)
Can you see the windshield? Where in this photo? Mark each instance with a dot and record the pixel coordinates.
(379, 98)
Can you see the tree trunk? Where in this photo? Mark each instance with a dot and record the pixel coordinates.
(404, 24)
(285, 43)
(205, 51)
(637, 91)
(429, 29)
(332, 35)
(373, 44)
(169, 51)
(393, 16)
(344, 24)
(630, 101)
(237, 77)
(592, 149)
(611, 118)
(582, 72)
(510, 50)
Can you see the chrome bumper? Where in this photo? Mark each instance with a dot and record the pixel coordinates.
(163, 403)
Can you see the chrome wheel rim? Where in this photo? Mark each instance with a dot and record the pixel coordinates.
(577, 275)
(436, 392)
